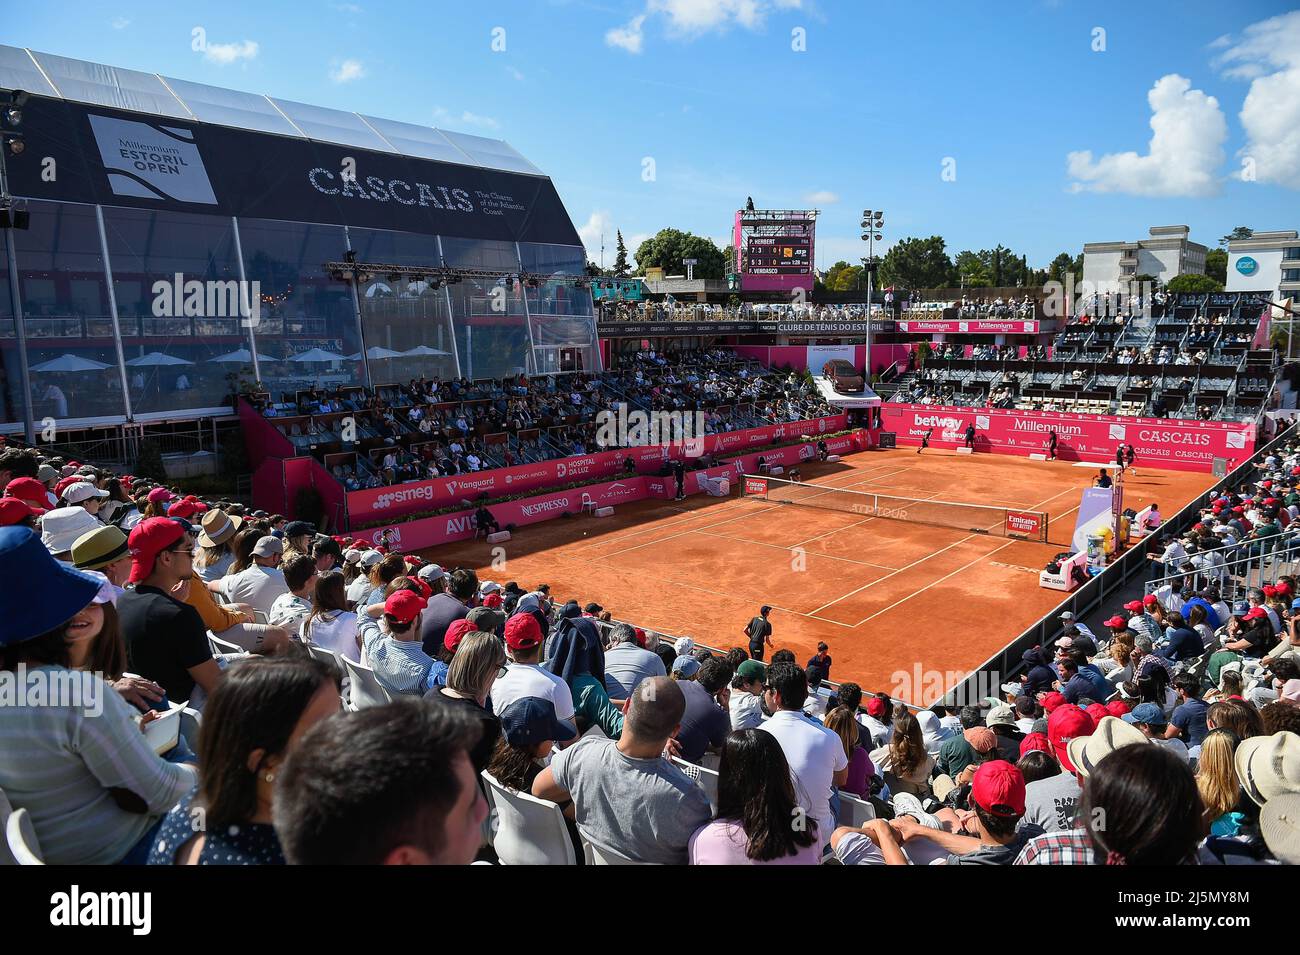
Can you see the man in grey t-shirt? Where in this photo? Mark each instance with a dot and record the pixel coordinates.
(1052, 802)
(627, 796)
(626, 664)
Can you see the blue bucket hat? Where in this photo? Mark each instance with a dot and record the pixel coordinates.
(1149, 713)
(37, 592)
(530, 720)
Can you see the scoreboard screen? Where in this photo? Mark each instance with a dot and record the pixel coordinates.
(779, 255)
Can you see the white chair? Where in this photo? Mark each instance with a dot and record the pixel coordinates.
(598, 855)
(22, 838)
(191, 719)
(529, 831)
(854, 811)
(366, 688)
(706, 779)
(220, 646)
(588, 503)
(6, 810)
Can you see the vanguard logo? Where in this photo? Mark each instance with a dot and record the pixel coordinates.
(544, 507)
(421, 492)
(471, 485)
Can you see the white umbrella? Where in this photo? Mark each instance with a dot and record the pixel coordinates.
(420, 350)
(241, 356)
(68, 362)
(317, 354)
(158, 358)
(376, 351)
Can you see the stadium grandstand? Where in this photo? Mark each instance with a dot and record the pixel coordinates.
(348, 519)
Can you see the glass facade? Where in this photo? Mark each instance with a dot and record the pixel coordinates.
(189, 329)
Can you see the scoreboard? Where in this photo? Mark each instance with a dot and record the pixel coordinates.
(778, 255)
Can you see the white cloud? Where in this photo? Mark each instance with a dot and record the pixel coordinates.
(443, 117)
(347, 71)
(1268, 54)
(823, 197)
(226, 53)
(627, 37)
(690, 19)
(599, 223)
(1186, 147)
(120, 23)
(516, 74)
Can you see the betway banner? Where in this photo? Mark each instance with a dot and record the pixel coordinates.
(401, 499)
(1158, 442)
(448, 528)
(987, 327)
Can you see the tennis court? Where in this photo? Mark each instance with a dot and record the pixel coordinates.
(886, 594)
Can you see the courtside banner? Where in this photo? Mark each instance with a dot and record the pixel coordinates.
(755, 486)
(400, 499)
(1158, 442)
(985, 327)
(1029, 524)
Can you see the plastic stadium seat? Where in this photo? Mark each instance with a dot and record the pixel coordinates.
(854, 811)
(530, 831)
(6, 810)
(22, 838)
(366, 688)
(224, 646)
(706, 779)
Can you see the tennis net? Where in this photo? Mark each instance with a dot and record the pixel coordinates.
(975, 518)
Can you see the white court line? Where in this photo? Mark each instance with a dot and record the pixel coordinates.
(925, 558)
(660, 540)
(848, 560)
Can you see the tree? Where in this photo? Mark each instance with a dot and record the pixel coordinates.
(968, 269)
(842, 277)
(1241, 232)
(1195, 284)
(666, 249)
(1216, 265)
(620, 256)
(916, 264)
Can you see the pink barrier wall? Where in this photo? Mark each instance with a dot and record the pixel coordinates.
(796, 356)
(400, 499)
(1179, 445)
(458, 526)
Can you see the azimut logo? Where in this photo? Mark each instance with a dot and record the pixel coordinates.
(420, 492)
(544, 507)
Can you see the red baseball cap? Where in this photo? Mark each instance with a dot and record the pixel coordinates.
(1097, 712)
(640, 637)
(425, 590)
(492, 600)
(148, 539)
(1254, 613)
(1269, 590)
(1117, 623)
(876, 707)
(1133, 605)
(1036, 741)
(183, 509)
(13, 511)
(404, 606)
(31, 492)
(999, 788)
(1064, 724)
(1051, 701)
(1150, 600)
(1117, 708)
(1282, 587)
(456, 631)
(523, 632)
(160, 495)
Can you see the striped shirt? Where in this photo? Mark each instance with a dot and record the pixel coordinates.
(401, 666)
(60, 763)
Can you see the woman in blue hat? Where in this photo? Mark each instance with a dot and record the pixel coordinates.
(74, 755)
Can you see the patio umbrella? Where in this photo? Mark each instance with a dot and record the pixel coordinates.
(376, 351)
(424, 350)
(241, 356)
(157, 358)
(69, 362)
(317, 355)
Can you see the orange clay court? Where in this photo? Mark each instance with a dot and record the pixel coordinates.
(884, 594)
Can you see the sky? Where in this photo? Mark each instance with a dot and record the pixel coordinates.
(1040, 125)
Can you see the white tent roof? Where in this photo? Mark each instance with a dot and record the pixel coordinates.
(112, 86)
